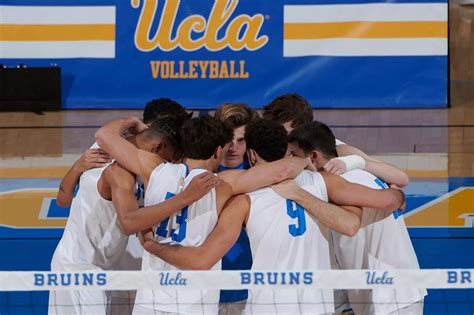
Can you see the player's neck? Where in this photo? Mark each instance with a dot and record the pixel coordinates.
(193, 164)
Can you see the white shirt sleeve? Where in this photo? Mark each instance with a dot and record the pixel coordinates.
(339, 142)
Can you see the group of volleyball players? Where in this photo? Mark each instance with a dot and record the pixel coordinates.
(287, 196)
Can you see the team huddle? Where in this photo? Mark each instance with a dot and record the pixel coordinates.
(232, 192)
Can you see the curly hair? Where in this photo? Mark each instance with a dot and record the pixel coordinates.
(268, 138)
(168, 128)
(202, 136)
(289, 107)
(163, 107)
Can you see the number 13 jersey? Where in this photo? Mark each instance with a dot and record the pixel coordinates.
(188, 227)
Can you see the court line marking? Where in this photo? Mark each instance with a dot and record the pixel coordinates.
(434, 201)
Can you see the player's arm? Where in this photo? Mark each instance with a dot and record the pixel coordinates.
(387, 172)
(134, 219)
(92, 158)
(110, 138)
(345, 220)
(343, 192)
(264, 174)
(218, 243)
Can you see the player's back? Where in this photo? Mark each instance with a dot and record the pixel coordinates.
(188, 227)
(92, 236)
(283, 237)
(382, 242)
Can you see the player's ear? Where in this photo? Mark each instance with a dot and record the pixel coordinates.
(314, 156)
(157, 147)
(252, 156)
(217, 152)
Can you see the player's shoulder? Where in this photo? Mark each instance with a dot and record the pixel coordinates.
(117, 173)
(358, 174)
(306, 178)
(229, 175)
(361, 177)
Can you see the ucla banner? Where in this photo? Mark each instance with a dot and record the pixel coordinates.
(337, 54)
(236, 279)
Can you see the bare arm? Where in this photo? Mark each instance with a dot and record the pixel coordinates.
(222, 238)
(264, 175)
(92, 158)
(342, 192)
(345, 220)
(110, 138)
(387, 172)
(134, 219)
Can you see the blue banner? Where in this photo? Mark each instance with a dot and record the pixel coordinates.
(337, 54)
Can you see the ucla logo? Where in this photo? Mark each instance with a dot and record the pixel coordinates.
(167, 280)
(374, 278)
(241, 32)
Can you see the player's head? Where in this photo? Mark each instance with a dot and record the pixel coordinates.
(315, 140)
(266, 141)
(163, 137)
(289, 110)
(162, 107)
(206, 138)
(236, 116)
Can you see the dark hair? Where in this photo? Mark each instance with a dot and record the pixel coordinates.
(202, 136)
(235, 114)
(168, 128)
(162, 107)
(314, 136)
(289, 107)
(268, 138)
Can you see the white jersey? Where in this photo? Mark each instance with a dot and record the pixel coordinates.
(189, 227)
(93, 237)
(284, 237)
(382, 242)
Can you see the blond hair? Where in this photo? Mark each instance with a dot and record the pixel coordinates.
(235, 115)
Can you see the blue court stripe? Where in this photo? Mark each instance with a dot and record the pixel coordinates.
(440, 232)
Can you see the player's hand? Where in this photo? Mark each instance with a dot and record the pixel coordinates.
(286, 189)
(335, 166)
(404, 205)
(200, 185)
(145, 236)
(92, 158)
(133, 125)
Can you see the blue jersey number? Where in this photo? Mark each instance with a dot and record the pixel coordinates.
(180, 219)
(294, 211)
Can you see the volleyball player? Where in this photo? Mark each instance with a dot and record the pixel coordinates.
(293, 110)
(95, 157)
(204, 142)
(93, 238)
(237, 116)
(282, 235)
(382, 242)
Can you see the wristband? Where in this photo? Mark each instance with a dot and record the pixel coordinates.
(353, 162)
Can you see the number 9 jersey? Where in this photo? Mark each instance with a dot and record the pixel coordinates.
(284, 237)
